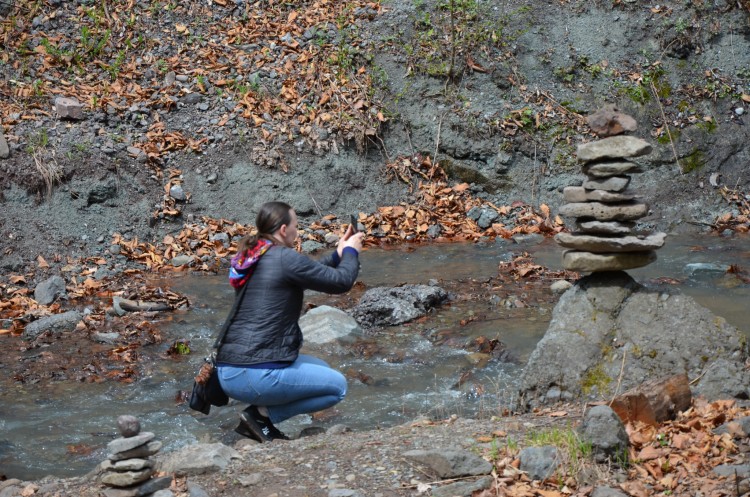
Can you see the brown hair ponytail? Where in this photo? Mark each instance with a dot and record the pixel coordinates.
(271, 216)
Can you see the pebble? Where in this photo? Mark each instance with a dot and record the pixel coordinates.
(739, 111)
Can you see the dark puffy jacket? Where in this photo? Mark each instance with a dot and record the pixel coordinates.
(265, 327)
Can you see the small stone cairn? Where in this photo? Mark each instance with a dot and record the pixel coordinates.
(605, 210)
(128, 470)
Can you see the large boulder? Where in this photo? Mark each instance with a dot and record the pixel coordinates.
(609, 334)
(326, 324)
(391, 306)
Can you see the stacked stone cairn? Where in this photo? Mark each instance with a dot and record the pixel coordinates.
(605, 210)
(128, 471)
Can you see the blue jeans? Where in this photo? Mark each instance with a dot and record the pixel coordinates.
(307, 385)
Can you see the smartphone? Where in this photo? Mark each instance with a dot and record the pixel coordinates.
(353, 221)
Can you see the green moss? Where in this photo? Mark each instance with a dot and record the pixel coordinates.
(694, 161)
(707, 126)
(595, 378)
(664, 139)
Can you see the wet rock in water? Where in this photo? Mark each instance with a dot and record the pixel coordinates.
(392, 306)
(57, 323)
(128, 425)
(589, 262)
(49, 290)
(326, 324)
(594, 243)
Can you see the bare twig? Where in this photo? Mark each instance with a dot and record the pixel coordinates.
(666, 125)
(317, 207)
(619, 378)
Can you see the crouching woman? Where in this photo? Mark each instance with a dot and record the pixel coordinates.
(259, 360)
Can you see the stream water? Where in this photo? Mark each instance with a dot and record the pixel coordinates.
(407, 375)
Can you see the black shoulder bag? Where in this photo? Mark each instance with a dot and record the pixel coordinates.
(207, 390)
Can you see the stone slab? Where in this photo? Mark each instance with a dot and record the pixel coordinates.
(605, 212)
(608, 169)
(598, 244)
(126, 478)
(606, 227)
(580, 194)
(144, 450)
(611, 184)
(122, 444)
(574, 260)
(615, 147)
(147, 488)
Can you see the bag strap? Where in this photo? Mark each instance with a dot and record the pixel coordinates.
(231, 315)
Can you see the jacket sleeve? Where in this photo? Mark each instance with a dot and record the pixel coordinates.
(313, 275)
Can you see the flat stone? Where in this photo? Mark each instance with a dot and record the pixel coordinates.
(592, 243)
(450, 463)
(122, 444)
(127, 465)
(615, 147)
(68, 108)
(607, 169)
(606, 227)
(147, 488)
(611, 184)
(609, 121)
(144, 450)
(580, 194)
(126, 478)
(605, 212)
(574, 260)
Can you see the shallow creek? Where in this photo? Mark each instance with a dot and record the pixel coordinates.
(394, 375)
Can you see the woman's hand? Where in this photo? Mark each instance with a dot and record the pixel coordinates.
(350, 239)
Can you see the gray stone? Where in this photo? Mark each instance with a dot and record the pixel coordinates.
(163, 493)
(108, 338)
(192, 98)
(528, 239)
(57, 323)
(199, 459)
(345, 492)
(126, 478)
(126, 465)
(68, 108)
(128, 425)
(196, 491)
(606, 227)
(724, 379)
(607, 492)
(616, 147)
(589, 262)
(326, 324)
(4, 149)
(49, 290)
(592, 243)
(462, 488)
(392, 306)
(145, 450)
(580, 194)
(560, 286)
(538, 462)
(181, 260)
(743, 423)
(123, 444)
(311, 246)
(608, 169)
(705, 269)
(605, 212)
(730, 470)
(612, 184)
(608, 325)
(604, 430)
(450, 463)
(177, 193)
